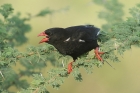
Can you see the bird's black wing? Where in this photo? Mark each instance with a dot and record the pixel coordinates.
(81, 39)
(83, 32)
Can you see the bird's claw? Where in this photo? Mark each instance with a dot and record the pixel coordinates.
(98, 54)
(70, 67)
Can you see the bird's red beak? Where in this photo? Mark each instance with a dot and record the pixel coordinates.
(44, 39)
(42, 34)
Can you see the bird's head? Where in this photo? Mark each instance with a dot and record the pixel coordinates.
(52, 35)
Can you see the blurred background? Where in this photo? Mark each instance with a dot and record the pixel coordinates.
(126, 77)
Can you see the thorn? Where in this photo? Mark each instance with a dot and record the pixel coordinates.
(63, 63)
(2, 75)
(41, 75)
(30, 62)
(116, 46)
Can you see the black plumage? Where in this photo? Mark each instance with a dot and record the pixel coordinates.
(73, 41)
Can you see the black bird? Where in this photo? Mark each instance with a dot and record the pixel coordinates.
(73, 41)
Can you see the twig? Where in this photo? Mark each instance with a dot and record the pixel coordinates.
(36, 90)
(109, 64)
(63, 63)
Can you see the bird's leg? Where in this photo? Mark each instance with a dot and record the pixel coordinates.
(70, 67)
(98, 54)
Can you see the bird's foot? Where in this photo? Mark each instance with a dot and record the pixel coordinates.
(98, 54)
(70, 67)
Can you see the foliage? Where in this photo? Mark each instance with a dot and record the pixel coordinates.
(12, 33)
(112, 13)
(13, 28)
(120, 38)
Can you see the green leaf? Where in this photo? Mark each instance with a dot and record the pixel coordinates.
(6, 10)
